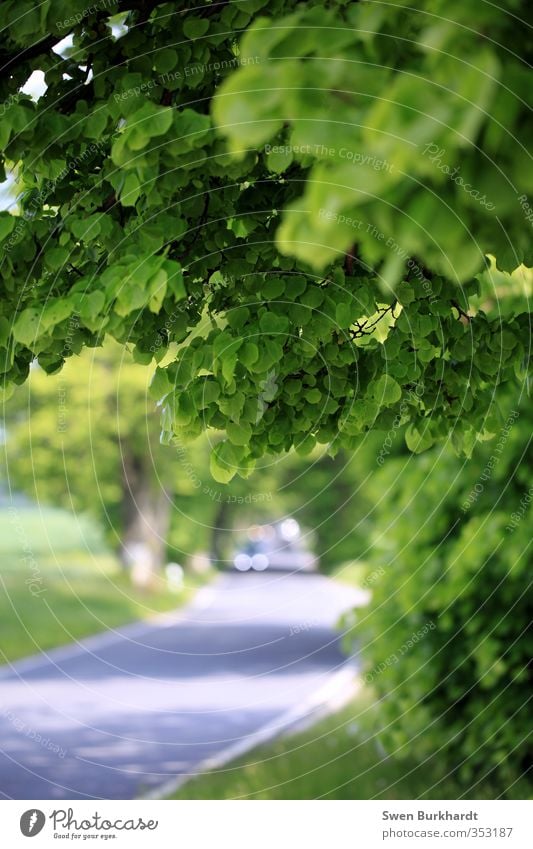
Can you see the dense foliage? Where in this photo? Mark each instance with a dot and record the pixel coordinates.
(293, 199)
(447, 641)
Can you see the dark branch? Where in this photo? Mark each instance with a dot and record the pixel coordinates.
(11, 60)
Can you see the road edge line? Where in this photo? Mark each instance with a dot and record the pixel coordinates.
(329, 698)
(201, 599)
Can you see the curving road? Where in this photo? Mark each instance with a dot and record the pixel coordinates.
(133, 711)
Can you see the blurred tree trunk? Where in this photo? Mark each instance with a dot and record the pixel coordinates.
(220, 533)
(146, 511)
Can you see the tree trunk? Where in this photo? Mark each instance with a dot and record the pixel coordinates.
(220, 533)
(145, 523)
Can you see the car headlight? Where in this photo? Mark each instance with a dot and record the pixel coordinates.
(242, 562)
(260, 562)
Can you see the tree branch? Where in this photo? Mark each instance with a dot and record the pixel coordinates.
(10, 60)
(464, 315)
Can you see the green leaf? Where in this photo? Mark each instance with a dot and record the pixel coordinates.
(195, 27)
(273, 324)
(237, 317)
(27, 327)
(314, 396)
(85, 229)
(249, 354)
(130, 190)
(144, 358)
(55, 312)
(418, 440)
(92, 304)
(344, 315)
(165, 60)
(250, 110)
(5, 329)
(7, 390)
(306, 446)
(56, 258)
(157, 288)
(160, 385)
(279, 160)
(223, 462)
(225, 344)
(239, 434)
(7, 222)
(385, 390)
(206, 393)
(175, 283)
(96, 123)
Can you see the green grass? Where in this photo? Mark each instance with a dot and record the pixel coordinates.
(338, 758)
(44, 531)
(58, 584)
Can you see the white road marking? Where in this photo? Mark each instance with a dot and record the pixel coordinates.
(331, 696)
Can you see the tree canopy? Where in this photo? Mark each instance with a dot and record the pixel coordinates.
(293, 202)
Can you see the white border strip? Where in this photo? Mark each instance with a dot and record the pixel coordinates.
(340, 687)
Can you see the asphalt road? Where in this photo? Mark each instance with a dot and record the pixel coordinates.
(121, 715)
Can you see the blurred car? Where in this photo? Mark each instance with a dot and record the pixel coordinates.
(275, 547)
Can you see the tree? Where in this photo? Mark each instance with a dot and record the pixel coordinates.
(303, 199)
(89, 441)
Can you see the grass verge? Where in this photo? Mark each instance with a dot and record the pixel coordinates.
(59, 583)
(73, 601)
(338, 758)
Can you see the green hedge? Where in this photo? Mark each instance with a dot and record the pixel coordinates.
(445, 640)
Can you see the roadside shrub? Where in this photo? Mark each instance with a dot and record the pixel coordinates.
(455, 556)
